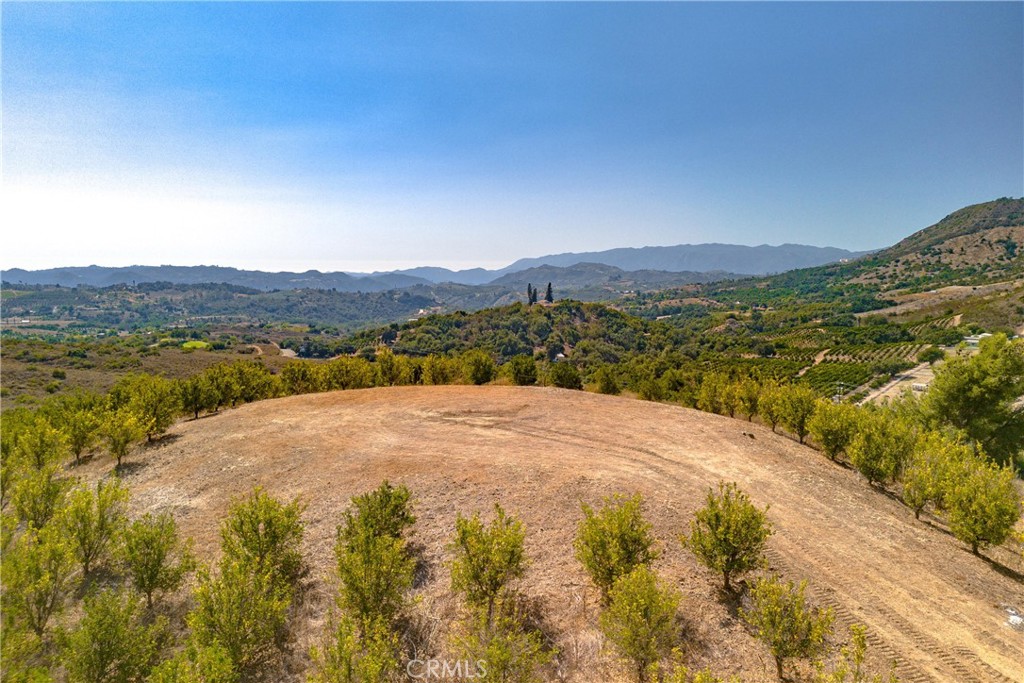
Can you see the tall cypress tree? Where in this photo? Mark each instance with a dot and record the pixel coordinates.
(529, 293)
(548, 296)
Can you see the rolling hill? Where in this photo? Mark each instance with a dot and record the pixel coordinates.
(978, 243)
(928, 603)
(970, 220)
(974, 246)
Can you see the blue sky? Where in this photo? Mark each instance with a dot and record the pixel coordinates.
(350, 136)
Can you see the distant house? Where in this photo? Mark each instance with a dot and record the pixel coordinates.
(975, 339)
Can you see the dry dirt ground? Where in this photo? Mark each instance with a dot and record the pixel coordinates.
(539, 452)
(907, 304)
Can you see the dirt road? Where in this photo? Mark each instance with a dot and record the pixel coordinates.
(923, 373)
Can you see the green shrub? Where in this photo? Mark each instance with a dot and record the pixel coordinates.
(881, 447)
(300, 377)
(375, 571)
(607, 383)
(728, 534)
(93, 520)
(503, 650)
(614, 541)
(242, 610)
(440, 370)
(196, 664)
(111, 643)
(769, 404)
(37, 443)
(38, 574)
(935, 465)
(22, 656)
(797, 405)
(564, 375)
(978, 394)
(154, 557)
(785, 623)
(983, 505)
(38, 495)
(850, 668)
(264, 534)
(153, 400)
(351, 654)
(715, 394)
(487, 558)
(640, 619)
(748, 394)
(80, 423)
(383, 512)
(479, 366)
(682, 674)
(833, 426)
(197, 394)
(523, 370)
(122, 429)
(392, 369)
(930, 355)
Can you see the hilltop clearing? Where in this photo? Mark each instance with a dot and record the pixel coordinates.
(926, 601)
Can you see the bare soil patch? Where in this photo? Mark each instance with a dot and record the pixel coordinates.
(539, 452)
(907, 304)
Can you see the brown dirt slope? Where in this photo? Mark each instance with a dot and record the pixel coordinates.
(928, 603)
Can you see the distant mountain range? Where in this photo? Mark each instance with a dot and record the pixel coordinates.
(100, 276)
(681, 263)
(702, 258)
